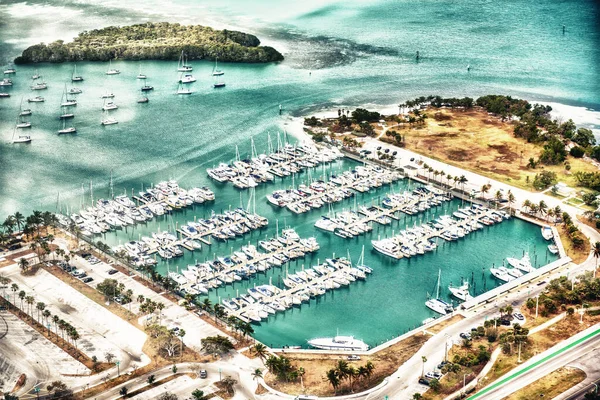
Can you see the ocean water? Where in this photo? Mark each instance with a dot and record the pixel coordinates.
(338, 54)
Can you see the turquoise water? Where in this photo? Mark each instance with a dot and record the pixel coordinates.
(337, 54)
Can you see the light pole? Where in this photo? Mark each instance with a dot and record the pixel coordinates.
(537, 301)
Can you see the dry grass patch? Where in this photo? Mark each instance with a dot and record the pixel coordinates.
(478, 142)
(316, 366)
(551, 385)
(577, 254)
(444, 324)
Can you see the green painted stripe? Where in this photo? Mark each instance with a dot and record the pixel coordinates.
(535, 364)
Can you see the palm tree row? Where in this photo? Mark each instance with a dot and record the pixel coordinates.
(283, 368)
(28, 225)
(541, 209)
(44, 316)
(343, 370)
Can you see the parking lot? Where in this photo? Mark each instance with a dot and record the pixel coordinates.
(24, 351)
(172, 316)
(101, 331)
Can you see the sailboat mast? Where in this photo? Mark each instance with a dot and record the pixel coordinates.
(437, 293)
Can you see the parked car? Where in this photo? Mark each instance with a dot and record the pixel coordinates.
(203, 374)
(353, 357)
(442, 364)
(519, 316)
(464, 335)
(505, 322)
(433, 375)
(87, 279)
(424, 381)
(112, 271)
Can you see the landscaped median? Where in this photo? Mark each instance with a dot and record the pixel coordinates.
(545, 357)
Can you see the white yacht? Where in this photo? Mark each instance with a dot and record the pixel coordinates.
(74, 76)
(187, 78)
(111, 70)
(326, 224)
(66, 129)
(216, 70)
(387, 247)
(461, 292)
(552, 248)
(348, 343)
(36, 99)
(109, 106)
(547, 233)
(523, 264)
(107, 120)
(501, 273)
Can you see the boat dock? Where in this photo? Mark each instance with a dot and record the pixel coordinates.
(316, 194)
(268, 299)
(349, 224)
(418, 240)
(244, 263)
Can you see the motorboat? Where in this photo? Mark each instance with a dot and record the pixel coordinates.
(552, 248)
(461, 292)
(348, 343)
(547, 233)
(523, 264)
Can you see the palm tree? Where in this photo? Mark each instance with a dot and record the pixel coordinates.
(40, 306)
(424, 359)
(499, 197)
(46, 314)
(206, 305)
(160, 306)
(257, 374)
(596, 250)
(261, 350)
(14, 287)
(511, 200)
(55, 319)
(9, 224)
(484, 189)
(527, 204)
(30, 300)
(19, 219)
(180, 334)
(542, 206)
(23, 264)
(370, 368)
(22, 295)
(333, 378)
(448, 179)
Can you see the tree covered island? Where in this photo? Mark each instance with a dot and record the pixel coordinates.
(153, 41)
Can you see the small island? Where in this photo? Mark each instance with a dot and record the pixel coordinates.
(153, 41)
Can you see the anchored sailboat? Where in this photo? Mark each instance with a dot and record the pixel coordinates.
(182, 65)
(438, 305)
(74, 76)
(216, 70)
(111, 70)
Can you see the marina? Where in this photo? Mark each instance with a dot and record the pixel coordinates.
(261, 168)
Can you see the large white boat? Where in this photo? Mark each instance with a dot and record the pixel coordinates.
(502, 274)
(387, 247)
(552, 248)
(524, 264)
(461, 292)
(547, 233)
(348, 343)
(326, 224)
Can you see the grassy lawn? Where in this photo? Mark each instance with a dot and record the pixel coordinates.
(481, 143)
(551, 385)
(578, 255)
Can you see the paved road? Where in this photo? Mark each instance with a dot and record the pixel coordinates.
(590, 365)
(541, 365)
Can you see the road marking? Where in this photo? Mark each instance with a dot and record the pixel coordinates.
(535, 364)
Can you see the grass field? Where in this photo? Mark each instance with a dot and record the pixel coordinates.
(481, 143)
(551, 385)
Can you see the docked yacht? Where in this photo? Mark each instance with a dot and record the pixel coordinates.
(523, 264)
(348, 343)
(552, 248)
(547, 233)
(461, 292)
(501, 273)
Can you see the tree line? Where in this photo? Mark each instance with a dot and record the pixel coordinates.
(153, 41)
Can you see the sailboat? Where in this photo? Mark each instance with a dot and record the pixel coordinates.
(216, 70)
(146, 87)
(183, 90)
(21, 121)
(219, 83)
(187, 78)
(67, 102)
(111, 70)
(66, 129)
(38, 85)
(35, 75)
(140, 75)
(182, 66)
(74, 76)
(110, 105)
(108, 95)
(438, 305)
(107, 120)
(20, 138)
(75, 90)
(143, 99)
(65, 114)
